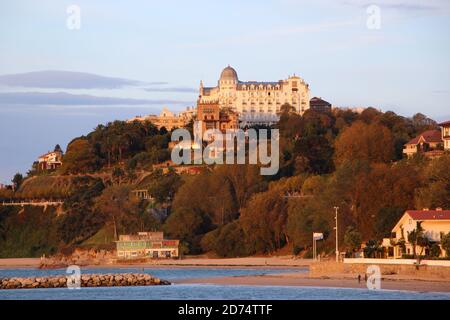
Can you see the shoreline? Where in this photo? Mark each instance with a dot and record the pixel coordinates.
(299, 276)
(286, 262)
(304, 280)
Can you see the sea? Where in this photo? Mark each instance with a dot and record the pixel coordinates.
(200, 291)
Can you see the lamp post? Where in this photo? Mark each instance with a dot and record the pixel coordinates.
(337, 234)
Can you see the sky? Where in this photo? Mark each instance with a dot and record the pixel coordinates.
(132, 58)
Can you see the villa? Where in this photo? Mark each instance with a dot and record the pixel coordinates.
(429, 143)
(434, 224)
(50, 161)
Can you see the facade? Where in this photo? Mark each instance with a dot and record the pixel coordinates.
(445, 130)
(434, 223)
(50, 160)
(146, 245)
(256, 97)
(319, 105)
(429, 143)
(212, 116)
(168, 119)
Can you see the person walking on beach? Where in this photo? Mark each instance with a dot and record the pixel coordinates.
(359, 278)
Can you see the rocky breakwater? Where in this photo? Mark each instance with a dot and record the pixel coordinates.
(85, 280)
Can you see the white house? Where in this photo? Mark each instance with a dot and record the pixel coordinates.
(434, 223)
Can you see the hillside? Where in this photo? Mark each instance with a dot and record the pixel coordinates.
(339, 158)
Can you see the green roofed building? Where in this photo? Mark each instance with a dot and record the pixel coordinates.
(146, 245)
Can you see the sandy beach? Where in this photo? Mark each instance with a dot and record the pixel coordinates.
(300, 278)
(269, 262)
(14, 263)
(391, 282)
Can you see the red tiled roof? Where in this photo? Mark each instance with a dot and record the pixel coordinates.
(428, 136)
(429, 214)
(445, 123)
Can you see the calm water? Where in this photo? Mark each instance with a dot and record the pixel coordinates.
(200, 291)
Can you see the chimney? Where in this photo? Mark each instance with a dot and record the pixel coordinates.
(438, 209)
(425, 209)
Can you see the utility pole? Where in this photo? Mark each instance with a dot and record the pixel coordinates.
(314, 247)
(337, 234)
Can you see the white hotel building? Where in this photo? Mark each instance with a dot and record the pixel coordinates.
(254, 98)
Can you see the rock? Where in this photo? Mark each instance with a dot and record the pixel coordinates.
(87, 280)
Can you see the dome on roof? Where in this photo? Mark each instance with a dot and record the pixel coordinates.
(228, 74)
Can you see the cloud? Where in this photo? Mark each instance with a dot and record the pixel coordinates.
(58, 79)
(402, 5)
(440, 92)
(263, 36)
(172, 89)
(68, 99)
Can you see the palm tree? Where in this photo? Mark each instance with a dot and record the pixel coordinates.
(415, 236)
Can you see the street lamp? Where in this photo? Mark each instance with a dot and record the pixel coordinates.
(337, 233)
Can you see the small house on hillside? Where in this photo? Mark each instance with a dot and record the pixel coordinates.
(429, 143)
(50, 161)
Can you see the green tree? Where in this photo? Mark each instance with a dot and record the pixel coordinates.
(372, 249)
(370, 142)
(79, 221)
(80, 157)
(187, 225)
(435, 191)
(227, 241)
(352, 239)
(415, 236)
(119, 208)
(163, 186)
(435, 250)
(17, 180)
(264, 219)
(58, 148)
(118, 174)
(445, 243)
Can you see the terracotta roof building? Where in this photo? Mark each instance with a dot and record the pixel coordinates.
(429, 143)
(434, 224)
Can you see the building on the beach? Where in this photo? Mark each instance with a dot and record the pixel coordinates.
(433, 223)
(256, 96)
(168, 119)
(50, 161)
(319, 105)
(146, 245)
(428, 143)
(445, 130)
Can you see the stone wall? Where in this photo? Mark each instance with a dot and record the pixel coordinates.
(328, 268)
